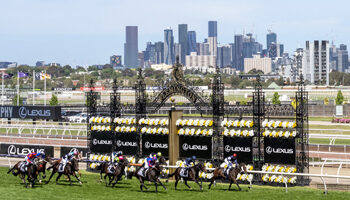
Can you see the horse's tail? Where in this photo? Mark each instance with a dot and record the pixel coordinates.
(172, 174)
(10, 170)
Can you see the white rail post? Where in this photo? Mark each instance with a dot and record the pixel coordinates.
(339, 171)
(324, 184)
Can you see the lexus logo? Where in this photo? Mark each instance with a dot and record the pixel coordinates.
(22, 112)
(119, 143)
(228, 148)
(268, 150)
(185, 146)
(11, 150)
(147, 145)
(94, 141)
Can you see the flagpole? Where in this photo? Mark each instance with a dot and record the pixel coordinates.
(2, 90)
(33, 87)
(45, 88)
(17, 88)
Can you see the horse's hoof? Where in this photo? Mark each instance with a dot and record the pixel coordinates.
(39, 181)
(190, 188)
(80, 183)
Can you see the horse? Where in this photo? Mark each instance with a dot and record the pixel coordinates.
(78, 157)
(42, 167)
(31, 172)
(220, 173)
(68, 170)
(118, 173)
(152, 175)
(192, 175)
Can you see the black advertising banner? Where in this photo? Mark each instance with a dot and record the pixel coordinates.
(279, 150)
(101, 142)
(66, 150)
(154, 144)
(242, 146)
(127, 143)
(195, 146)
(24, 149)
(31, 112)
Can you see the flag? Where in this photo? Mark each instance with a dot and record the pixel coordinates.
(43, 75)
(22, 74)
(7, 75)
(37, 76)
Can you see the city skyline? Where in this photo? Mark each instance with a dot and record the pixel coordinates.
(55, 32)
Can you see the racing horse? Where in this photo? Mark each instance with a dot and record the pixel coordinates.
(42, 167)
(152, 175)
(220, 173)
(31, 172)
(192, 175)
(118, 172)
(69, 170)
(57, 163)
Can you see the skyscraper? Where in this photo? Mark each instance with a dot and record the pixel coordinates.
(169, 56)
(183, 42)
(270, 38)
(131, 47)
(159, 52)
(212, 37)
(224, 56)
(316, 62)
(191, 42)
(343, 57)
(238, 59)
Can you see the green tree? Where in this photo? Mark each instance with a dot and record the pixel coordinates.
(276, 98)
(340, 98)
(14, 101)
(53, 101)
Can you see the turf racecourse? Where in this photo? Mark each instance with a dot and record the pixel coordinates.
(12, 188)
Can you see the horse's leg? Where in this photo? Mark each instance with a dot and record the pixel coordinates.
(211, 182)
(24, 180)
(58, 177)
(200, 185)
(155, 183)
(229, 188)
(78, 178)
(239, 188)
(111, 178)
(176, 182)
(105, 177)
(101, 176)
(187, 184)
(161, 184)
(70, 181)
(141, 184)
(52, 173)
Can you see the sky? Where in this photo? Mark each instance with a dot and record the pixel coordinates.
(87, 32)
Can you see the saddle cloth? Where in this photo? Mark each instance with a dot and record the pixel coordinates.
(23, 167)
(61, 167)
(111, 168)
(184, 172)
(142, 172)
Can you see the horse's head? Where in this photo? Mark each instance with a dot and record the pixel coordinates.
(48, 159)
(243, 168)
(75, 163)
(158, 166)
(79, 156)
(201, 167)
(162, 160)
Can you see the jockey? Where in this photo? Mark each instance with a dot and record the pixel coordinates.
(28, 160)
(149, 162)
(113, 157)
(41, 155)
(159, 155)
(119, 153)
(189, 161)
(69, 157)
(229, 161)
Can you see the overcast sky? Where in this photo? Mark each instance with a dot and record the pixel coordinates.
(86, 32)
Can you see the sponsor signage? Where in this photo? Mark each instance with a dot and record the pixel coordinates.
(154, 144)
(127, 143)
(62, 89)
(101, 142)
(66, 150)
(86, 89)
(24, 149)
(279, 150)
(31, 112)
(241, 146)
(195, 146)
